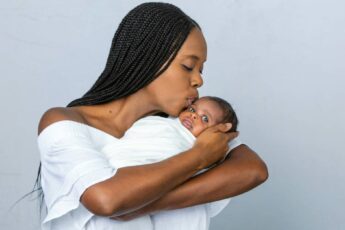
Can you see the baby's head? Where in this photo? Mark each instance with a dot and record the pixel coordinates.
(206, 112)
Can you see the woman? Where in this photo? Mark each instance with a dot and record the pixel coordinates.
(154, 66)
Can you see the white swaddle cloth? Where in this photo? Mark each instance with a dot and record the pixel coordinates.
(148, 140)
(152, 139)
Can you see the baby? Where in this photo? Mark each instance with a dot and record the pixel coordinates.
(206, 112)
(154, 138)
(169, 135)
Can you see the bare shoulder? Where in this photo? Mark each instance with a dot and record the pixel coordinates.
(58, 114)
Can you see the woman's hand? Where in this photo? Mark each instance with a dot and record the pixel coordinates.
(212, 143)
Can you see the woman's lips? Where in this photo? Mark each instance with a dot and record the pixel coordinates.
(190, 100)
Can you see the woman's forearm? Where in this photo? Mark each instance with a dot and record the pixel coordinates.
(240, 173)
(243, 171)
(136, 186)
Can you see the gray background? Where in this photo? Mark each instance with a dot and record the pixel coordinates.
(280, 63)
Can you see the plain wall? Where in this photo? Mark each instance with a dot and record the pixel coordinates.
(280, 63)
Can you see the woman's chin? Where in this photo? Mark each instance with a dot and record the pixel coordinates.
(173, 113)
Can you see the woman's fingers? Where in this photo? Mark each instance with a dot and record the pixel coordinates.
(232, 135)
(225, 127)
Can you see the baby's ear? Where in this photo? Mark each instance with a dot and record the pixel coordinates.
(228, 126)
(225, 127)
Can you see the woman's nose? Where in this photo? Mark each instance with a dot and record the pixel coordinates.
(197, 80)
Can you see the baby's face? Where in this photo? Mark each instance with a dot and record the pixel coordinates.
(200, 115)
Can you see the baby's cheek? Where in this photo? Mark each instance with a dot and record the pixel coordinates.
(197, 130)
(195, 133)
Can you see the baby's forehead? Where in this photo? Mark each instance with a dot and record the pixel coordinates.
(202, 100)
(207, 102)
(212, 107)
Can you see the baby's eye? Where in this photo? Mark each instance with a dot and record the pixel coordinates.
(204, 118)
(191, 109)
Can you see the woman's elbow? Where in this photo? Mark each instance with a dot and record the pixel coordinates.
(260, 172)
(256, 165)
(99, 202)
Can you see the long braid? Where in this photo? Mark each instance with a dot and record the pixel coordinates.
(148, 37)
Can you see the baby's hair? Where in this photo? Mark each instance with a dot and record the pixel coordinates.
(229, 115)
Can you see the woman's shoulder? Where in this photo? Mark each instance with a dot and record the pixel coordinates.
(57, 114)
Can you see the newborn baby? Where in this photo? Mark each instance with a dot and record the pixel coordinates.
(154, 138)
(170, 135)
(206, 112)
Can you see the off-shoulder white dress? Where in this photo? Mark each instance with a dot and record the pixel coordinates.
(73, 158)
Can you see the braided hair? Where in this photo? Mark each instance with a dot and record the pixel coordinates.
(144, 45)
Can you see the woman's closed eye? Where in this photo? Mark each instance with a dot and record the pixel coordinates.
(188, 68)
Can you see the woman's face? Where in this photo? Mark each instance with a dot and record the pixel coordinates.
(176, 88)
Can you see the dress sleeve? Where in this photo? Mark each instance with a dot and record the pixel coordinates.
(70, 164)
(215, 207)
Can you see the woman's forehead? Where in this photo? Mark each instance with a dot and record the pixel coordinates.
(194, 47)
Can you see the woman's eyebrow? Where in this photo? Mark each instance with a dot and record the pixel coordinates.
(192, 56)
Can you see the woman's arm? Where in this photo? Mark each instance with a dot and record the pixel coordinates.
(137, 186)
(134, 187)
(239, 173)
(131, 188)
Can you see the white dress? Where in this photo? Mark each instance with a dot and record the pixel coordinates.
(152, 139)
(72, 160)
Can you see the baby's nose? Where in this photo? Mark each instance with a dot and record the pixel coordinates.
(194, 116)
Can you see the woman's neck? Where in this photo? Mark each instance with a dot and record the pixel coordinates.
(117, 116)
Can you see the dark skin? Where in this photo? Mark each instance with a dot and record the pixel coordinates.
(209, 186)
(107, 199)
(170, 184)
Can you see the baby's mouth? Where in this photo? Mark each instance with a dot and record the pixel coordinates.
(187, 123)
